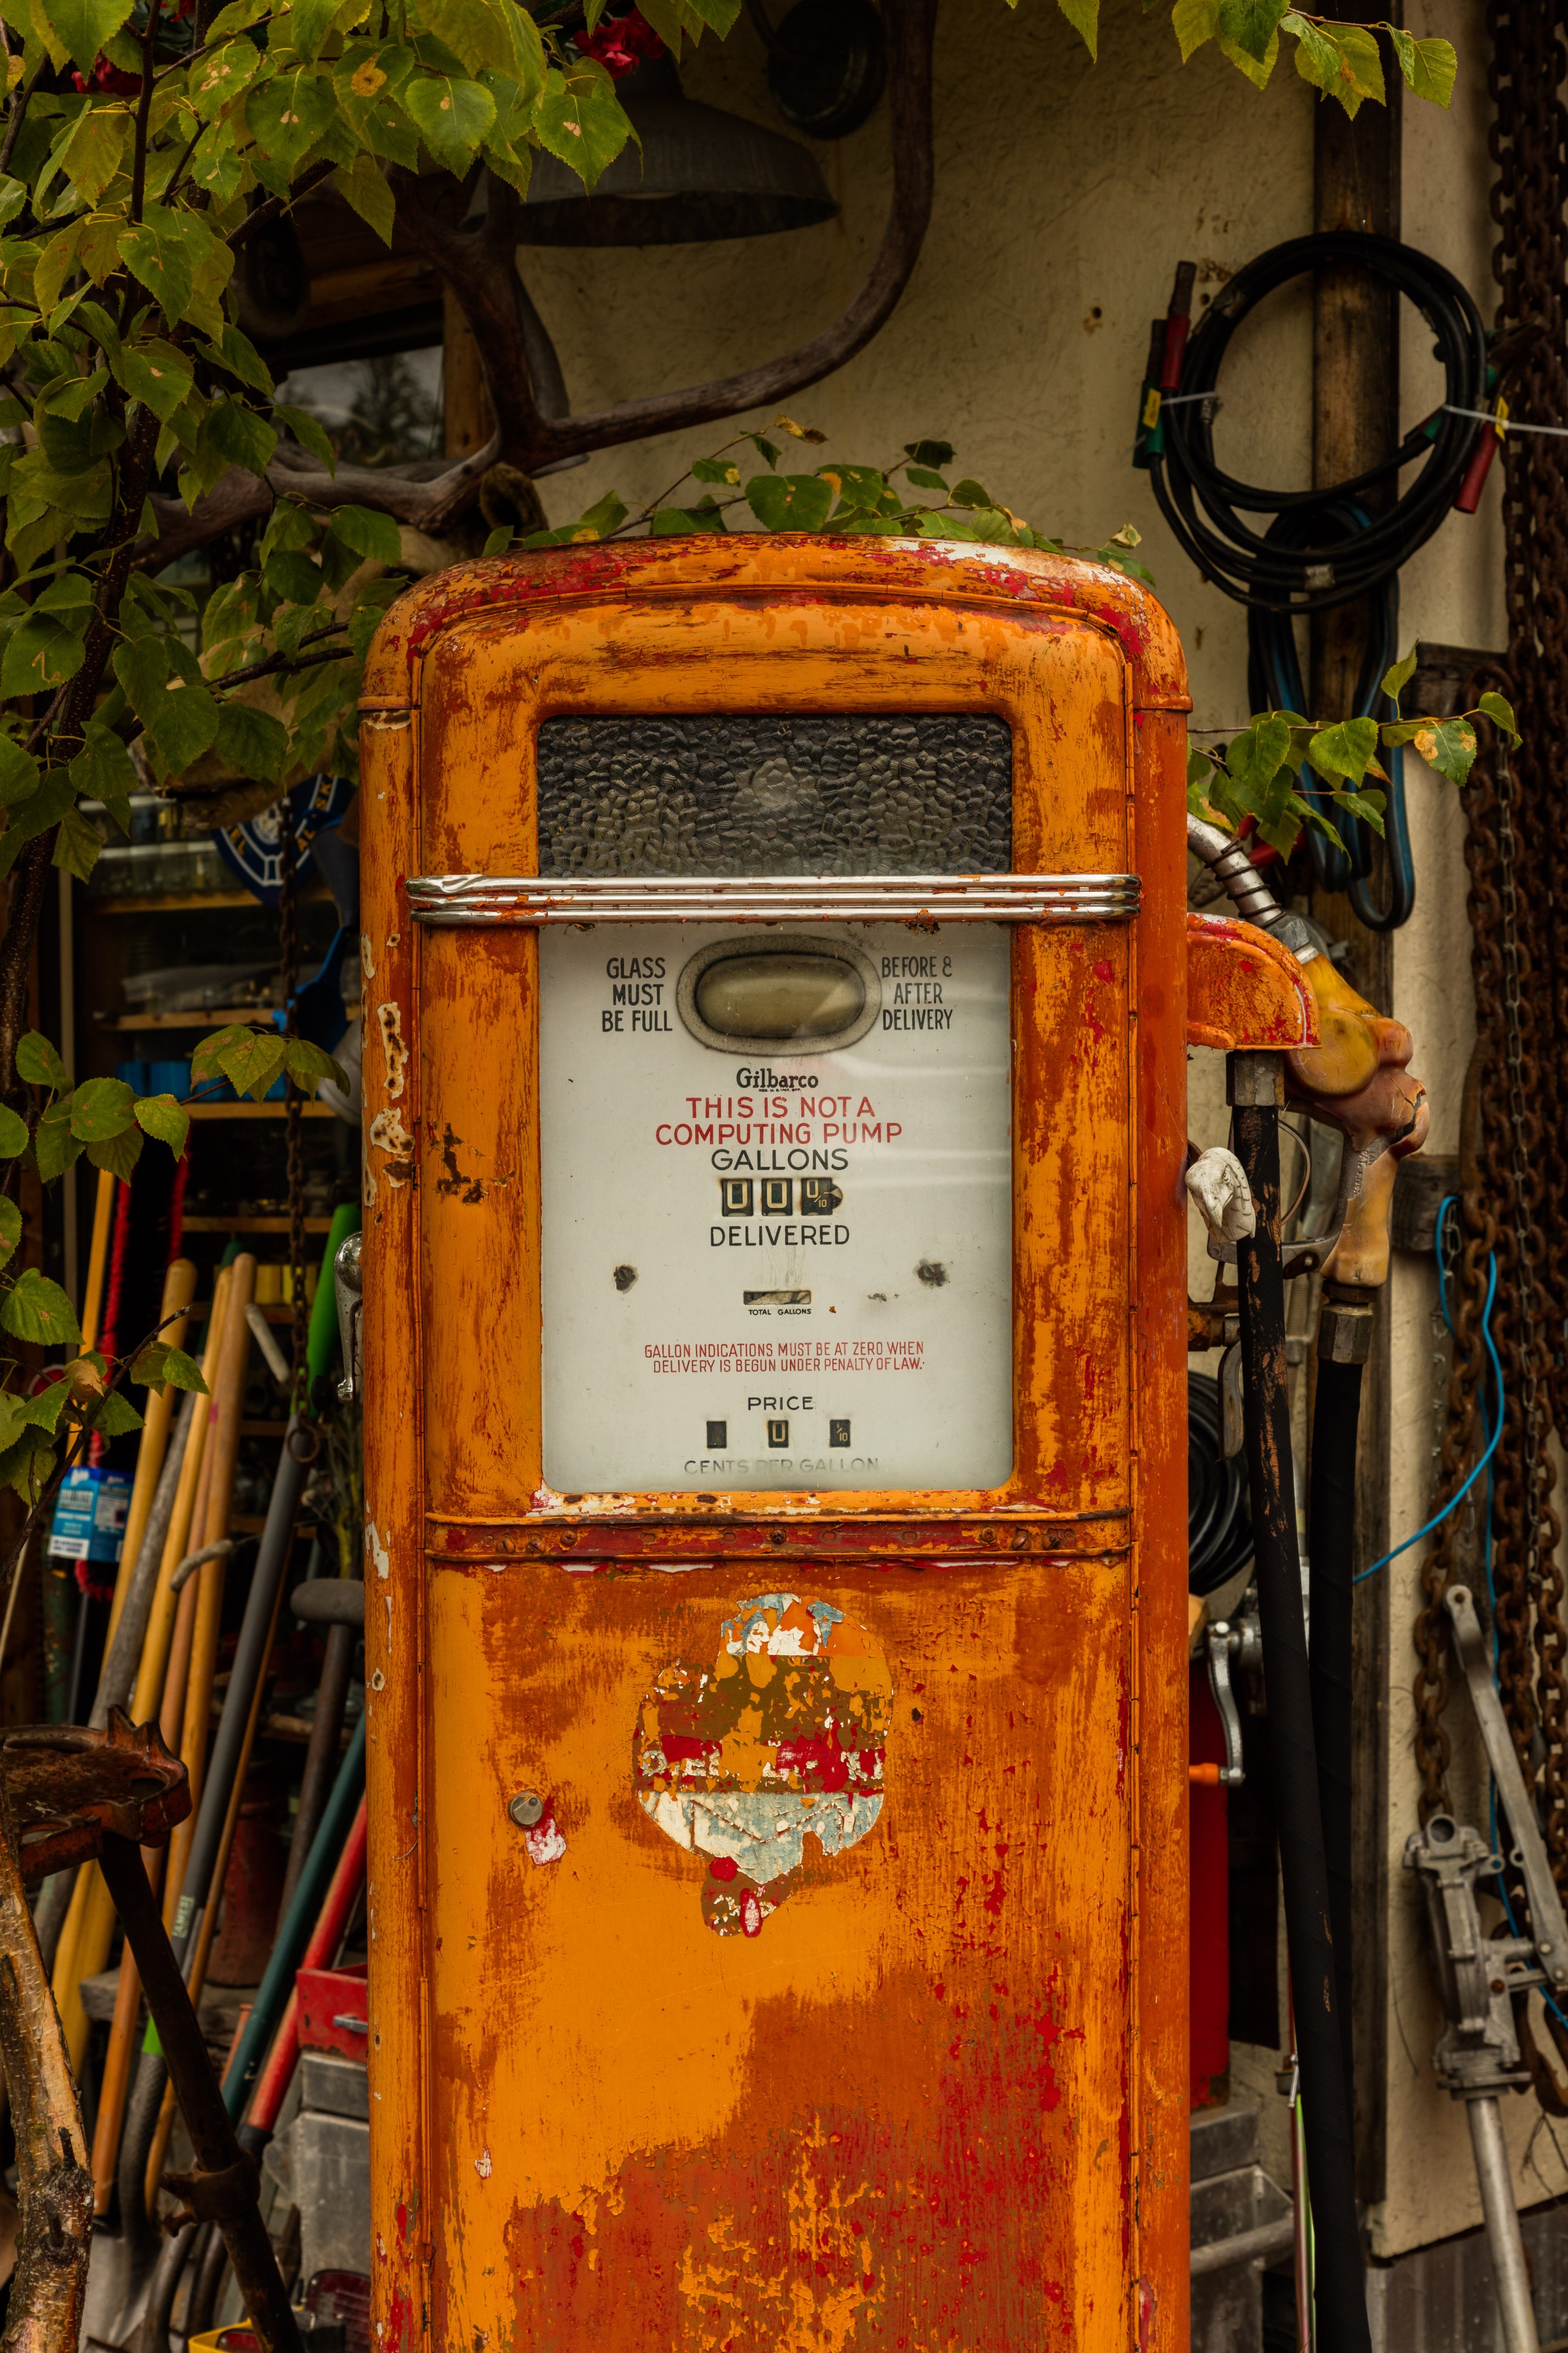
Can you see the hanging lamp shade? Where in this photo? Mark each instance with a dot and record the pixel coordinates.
(701, 175)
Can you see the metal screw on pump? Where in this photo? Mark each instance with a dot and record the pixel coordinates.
(527, 1809)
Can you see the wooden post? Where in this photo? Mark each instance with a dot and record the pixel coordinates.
(1355, 422)
(468, 419)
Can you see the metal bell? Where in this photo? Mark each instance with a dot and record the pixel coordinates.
(701, 174)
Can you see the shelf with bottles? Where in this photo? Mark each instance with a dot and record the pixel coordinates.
(168, 864)
(239, 1225)
(211, 1017)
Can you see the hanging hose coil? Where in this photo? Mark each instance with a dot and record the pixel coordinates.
(1313, 557)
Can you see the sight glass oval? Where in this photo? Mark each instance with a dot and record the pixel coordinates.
(775, 999)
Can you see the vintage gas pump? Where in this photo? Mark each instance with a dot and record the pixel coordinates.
(773, 1273)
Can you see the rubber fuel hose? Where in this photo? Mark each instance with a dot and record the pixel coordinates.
(1331, 1508)
(1341, 2288)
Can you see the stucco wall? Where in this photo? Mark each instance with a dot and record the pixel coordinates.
(1066, 194)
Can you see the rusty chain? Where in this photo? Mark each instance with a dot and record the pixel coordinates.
(1514, 1179)
(289, 956)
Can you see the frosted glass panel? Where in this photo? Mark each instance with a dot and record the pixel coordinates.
(727, 793)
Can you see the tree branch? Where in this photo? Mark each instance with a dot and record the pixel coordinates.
(18, 109)
(482, 272)
(275, 205)
(238, 496)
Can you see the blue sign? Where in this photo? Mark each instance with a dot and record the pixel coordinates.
(255, 849)
(90, 1516)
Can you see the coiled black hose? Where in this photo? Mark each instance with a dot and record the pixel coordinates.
(1219, 1531)
(1308, 569)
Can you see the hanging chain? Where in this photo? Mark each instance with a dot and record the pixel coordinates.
(288, 945)
(1514, 1184)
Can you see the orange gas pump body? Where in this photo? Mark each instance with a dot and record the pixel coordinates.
(941, 2099)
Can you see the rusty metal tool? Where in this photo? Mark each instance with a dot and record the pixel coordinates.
(69, 1793)
(222, 2185)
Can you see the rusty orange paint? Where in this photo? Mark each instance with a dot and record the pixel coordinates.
(935, 2096)
(1245, 989)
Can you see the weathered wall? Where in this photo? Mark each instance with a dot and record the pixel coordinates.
(1067, 191)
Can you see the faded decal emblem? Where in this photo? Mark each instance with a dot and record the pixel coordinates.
(780, 1742)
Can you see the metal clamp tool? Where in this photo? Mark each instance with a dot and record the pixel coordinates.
(1477, 2056)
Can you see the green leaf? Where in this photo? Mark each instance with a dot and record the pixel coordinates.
(115, 1416)
(1342, 62)
(1399, 675)
(307, 24)
(1258, 71)
(39, 1064)
(43, 1410)
(10, 1228)
(1369, 807)
(217, 79)
(239, 435)
(118, 1154)
(92, 156)
(55, 1148)
(184, 727)
(1500, 711)
(924, 480)
(159, 1366)
(308, 433)
(1448, 745)
(577, 117)
(13, 1133)
(1346, 749)
(365, 187)
(1083, 16)
(308, 1066)
(82, 26)
(453, 115)
(1429, 67)
(1255, 756)
(161, 1117)
(77, 846)
(790, 502)
(368, 534)
(156, 374)
(238, 356)
(37, 1309)
(477, 31)
(164, 264)
(287, 115)
(724, 470)
(100, 1108)
(103, 770)
(249, 1060)
(143, 666)
(28, 1467)
(1252, 24)
(1195, 22)
(41, 655)
(253, 742)
(36, 814)
(929, 453)
(18, 773)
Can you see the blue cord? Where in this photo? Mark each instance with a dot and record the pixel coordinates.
(1493, 1436)
(1501, 1884)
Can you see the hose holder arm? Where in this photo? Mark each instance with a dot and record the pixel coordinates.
(1357, 1078)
